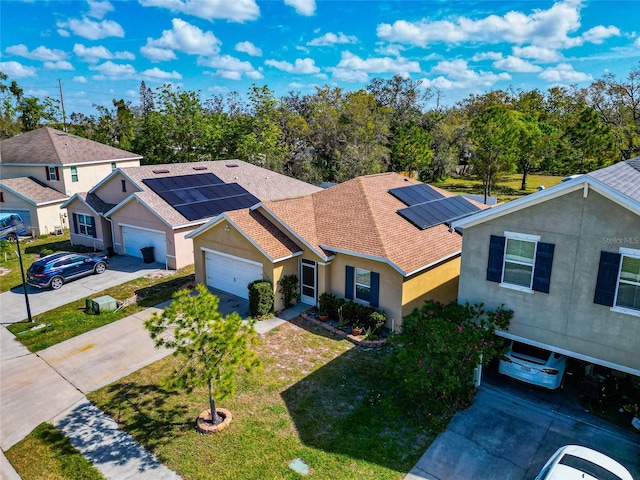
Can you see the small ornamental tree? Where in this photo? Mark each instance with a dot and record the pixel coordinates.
(211, 346)
(438, 349)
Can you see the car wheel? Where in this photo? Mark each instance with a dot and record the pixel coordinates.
(99, 268)
(11, 237)
(57, 282)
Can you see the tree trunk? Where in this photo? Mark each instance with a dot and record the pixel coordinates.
(215, 418)
(524, 179)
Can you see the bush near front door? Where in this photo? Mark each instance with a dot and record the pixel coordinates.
(261, 298)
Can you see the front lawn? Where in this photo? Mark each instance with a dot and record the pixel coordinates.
(317, 398)
(71, 320)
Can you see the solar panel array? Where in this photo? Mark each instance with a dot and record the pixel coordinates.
(427, 207)
(201, 195)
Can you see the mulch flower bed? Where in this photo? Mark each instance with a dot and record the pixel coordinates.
(330, 325)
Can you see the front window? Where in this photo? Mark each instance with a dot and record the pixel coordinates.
(519, 259)
(628, 292)
(85, 225)
(74, 174)
(363, 285)
(52, 174)
(113, 166)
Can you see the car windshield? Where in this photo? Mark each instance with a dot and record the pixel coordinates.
(37, 268)
(588, 467)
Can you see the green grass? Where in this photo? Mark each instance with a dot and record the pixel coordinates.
(508, 188)
(46, 454)
(317, 397)
(30, 250)
(71, 320)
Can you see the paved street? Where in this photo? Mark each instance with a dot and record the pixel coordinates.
(121, 269)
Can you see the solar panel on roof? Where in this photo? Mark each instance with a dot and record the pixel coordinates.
(199, 196)
(436, 212)
(415, 194)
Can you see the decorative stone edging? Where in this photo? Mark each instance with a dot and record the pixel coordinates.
(357, 340)
(203, 422)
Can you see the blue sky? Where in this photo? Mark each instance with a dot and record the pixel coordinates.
(101, 50)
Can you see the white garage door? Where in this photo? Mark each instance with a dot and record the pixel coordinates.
(231, 274)
(136, 238)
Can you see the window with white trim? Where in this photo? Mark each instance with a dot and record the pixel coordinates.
(628, 288)
(519, 261)
(113, 166)
(74, 174)
(52, 174)
(85, 225)
(362, 285)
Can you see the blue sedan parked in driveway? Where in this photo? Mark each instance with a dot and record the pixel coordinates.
(58, 268)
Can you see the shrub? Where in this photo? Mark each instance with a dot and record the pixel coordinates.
(261, 298)
(327, 302)
(289, 289)
(437, 351)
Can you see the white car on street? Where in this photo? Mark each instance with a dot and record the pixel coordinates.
(581, 463)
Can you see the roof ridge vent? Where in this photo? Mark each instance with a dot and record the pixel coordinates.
(231, 165)
(200, 167)
(160, 170)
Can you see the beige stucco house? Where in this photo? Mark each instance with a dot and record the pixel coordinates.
(566, 260)
(41, 169)
(158, 205)
(355, 240)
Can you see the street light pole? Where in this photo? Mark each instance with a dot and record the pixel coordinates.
(24, 283)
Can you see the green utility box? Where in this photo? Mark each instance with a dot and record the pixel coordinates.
(103, 304)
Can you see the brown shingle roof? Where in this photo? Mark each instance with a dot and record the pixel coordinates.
(47, 146)
(262, 183)
(360, 216)
(32, 189)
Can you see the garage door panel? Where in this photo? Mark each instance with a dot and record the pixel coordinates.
(136, 238)
(230, 274)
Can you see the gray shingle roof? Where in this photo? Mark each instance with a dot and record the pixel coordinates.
(260, 182)
(47, 146)
(622, 176)
(32, 189)
(96, 202)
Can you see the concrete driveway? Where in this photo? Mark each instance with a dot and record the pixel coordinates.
(121, 269)
(506, 437)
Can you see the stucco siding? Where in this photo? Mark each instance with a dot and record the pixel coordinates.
(111, 190)
(183, 247)
(438, 283)
(88, 175)
(566, 317)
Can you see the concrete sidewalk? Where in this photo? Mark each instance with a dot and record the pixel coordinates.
(50, 386)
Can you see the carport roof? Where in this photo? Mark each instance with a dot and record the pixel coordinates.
(32, 191)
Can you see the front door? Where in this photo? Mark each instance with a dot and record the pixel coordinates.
(308, 282)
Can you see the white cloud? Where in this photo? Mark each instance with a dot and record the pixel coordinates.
(515, 64)
(114, 70)
(99, 9)
(156, 74)
(94, 54)
(377, 65)
(248, 48)
(303, 7)
(183, 37)
(600, 33)
(637, 42)
(79, 79)
(92, 30)
(457, 75)
(390, 49)
(17, 70)
(232, 10)
(40, 53)
(302, 65)
(478, 57)
(59, 65)
(230, 67)
(541, 27)
(330, 38)
(565, 73)
(537, 53)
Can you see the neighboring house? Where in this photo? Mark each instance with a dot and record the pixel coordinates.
(566, 260)
(382, 240)
(157, 205)
(41, 169)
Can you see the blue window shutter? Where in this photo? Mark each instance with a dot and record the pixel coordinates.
(92, 221)
(75, 223)
(57, 174)
(607, 278)
(48, 174)
(542, 269)
(124, 185)
(496, 258)
(374, 298)
(349, 283)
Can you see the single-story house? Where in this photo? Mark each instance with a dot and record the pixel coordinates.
(383, 240)
(566, 260)
(158, 205)
(41, 169)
